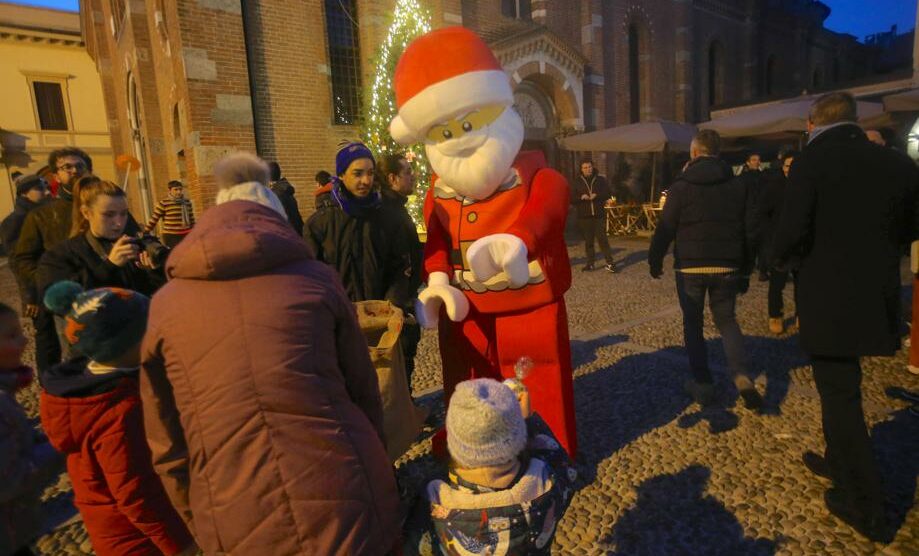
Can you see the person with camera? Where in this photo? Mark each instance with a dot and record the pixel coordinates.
(106, 248)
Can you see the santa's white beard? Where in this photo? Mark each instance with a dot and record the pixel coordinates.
(477, 163)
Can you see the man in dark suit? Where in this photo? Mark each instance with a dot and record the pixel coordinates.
(850, 207)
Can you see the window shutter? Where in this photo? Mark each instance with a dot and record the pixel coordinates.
(49, 100)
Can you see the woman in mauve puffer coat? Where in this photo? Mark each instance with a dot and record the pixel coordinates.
(261, 404)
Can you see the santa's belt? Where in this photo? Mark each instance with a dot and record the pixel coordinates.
(456, 258)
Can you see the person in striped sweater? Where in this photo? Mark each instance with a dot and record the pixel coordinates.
(177, 215)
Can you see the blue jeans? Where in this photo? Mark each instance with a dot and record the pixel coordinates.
(722, 292)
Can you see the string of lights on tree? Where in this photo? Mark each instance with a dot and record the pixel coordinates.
(410, 20)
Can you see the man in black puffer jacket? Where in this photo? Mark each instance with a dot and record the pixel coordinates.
(711, 216)
(362, 238)
(589, 193)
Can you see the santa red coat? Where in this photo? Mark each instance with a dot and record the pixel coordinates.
(507, 323)
(532, 205)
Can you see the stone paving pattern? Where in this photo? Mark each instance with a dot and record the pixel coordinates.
(659, 475)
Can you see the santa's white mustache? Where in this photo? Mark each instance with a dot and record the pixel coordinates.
(465, 145)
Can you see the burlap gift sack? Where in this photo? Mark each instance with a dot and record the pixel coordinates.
(382, 322)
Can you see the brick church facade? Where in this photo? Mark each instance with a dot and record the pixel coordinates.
(187, 81)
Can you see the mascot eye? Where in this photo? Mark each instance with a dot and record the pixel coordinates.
(448, 134)
(467, 127)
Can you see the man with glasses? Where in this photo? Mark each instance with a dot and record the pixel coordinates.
(45, 227)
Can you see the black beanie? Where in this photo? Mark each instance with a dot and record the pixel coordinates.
(25, 183)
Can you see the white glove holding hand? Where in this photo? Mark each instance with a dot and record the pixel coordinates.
(440, 292)
(500, 252)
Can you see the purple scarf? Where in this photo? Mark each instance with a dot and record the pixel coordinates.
(352, 205)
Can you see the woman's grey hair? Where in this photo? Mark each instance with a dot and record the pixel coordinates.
(241, 167)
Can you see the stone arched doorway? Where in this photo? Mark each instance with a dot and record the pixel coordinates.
(539, 120)
(548, 77)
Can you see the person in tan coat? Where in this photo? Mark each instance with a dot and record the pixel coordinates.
(261, 405)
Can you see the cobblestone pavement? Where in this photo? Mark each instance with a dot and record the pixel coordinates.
(660, 475)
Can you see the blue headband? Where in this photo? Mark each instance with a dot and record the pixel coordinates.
(348, 154)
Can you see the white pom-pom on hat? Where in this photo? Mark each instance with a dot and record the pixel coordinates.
(400, 132)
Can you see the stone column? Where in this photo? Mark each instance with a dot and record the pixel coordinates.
(916, 52)
(538, 11)
(594, 79)
(213, 52)
(752, 68)
(451, 13)
(683, 97)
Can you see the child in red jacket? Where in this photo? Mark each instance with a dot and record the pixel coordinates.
(90, 409)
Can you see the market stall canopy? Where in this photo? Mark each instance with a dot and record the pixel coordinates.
(907, 101)
(644, 137)
(778, 118)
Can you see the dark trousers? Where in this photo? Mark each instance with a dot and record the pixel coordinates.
(848, 447)
(722, 292)
(171, 240)
(411, 335)
(47, 346)
(777, 281)
(595, 229)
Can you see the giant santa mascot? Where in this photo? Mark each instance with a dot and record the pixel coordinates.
(496, 263)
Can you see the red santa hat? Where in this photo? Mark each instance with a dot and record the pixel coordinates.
(442, 74)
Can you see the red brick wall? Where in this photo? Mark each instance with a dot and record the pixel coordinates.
(194, 57)
(293, 93)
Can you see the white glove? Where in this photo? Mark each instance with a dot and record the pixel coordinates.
(440, 292)
(492, 254)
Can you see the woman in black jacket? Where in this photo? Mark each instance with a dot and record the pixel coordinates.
(103, 249)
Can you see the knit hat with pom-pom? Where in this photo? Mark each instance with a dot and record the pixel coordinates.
(484, 424)
(101, 324)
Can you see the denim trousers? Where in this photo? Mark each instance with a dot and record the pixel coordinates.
(722, 290)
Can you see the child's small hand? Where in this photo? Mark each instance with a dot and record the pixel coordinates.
(523, 395)
(524, 399)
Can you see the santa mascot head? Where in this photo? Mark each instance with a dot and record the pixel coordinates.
(452, 94)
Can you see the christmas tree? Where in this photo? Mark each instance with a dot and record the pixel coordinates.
(410, 20)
